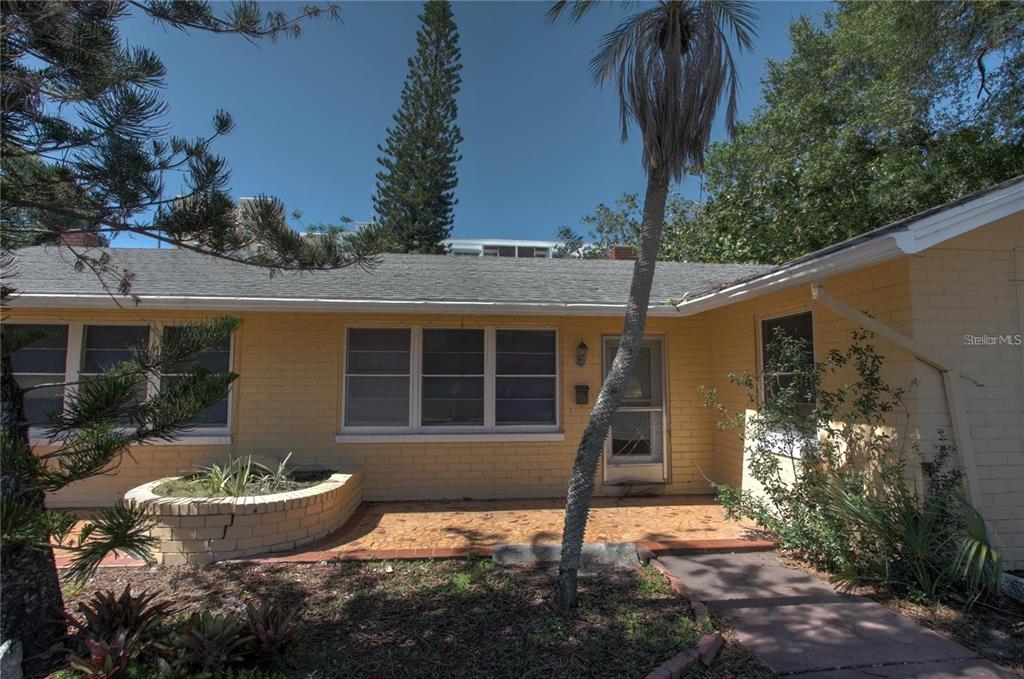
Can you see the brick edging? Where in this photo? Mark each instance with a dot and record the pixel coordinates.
(709, 645)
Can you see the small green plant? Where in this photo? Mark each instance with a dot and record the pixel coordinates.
(274, 630)
(834, 482)
(205, 645)
(237, 477)
(115, 631)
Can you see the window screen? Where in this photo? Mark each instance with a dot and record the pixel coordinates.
(377, 377)
(42, 362)
(525, 369)
(453, 377)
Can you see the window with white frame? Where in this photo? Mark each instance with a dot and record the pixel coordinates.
(525, 376)
(452, 365)
(94, 349)
(377, 375)
(105, 346)
(437, 379)
(215, 359)
(40, 363)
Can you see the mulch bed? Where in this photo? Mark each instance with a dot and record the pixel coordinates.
(455, 618)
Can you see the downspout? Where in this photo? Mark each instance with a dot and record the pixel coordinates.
(950, 381)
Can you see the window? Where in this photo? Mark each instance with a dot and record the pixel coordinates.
(529, 251)
(42, 362)
(499, 251)
(216, 359)
(777, 374)
(524, 377)
(438, 379)
(453, 377)
(377, 370)
(104, 346)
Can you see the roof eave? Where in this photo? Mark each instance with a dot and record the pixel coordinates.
(286, 304)
(914, 237)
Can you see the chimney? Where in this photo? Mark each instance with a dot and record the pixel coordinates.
(82, 239)
(621, 252)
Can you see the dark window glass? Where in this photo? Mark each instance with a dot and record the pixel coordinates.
(778, 368)
(377, 377)
(216, 359)
(525, 370)
(105, 346)
(42, 362)
(453, 377)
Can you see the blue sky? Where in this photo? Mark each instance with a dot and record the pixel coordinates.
(541, 140)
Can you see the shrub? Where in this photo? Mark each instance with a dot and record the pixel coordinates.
(274, 630)
(845, 504)
(116, 631)
(205, 645)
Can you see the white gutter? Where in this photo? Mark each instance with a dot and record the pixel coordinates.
(296, 304)
(950, 381)
(914, 237)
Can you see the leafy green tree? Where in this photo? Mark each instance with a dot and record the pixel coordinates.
(887, 109)
(415, 195)
(85, 154)
(620, 224)
(672, 64)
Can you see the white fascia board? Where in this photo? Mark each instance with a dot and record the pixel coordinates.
(178, 302)
(914, 237)
(937, 228)
(881, 249)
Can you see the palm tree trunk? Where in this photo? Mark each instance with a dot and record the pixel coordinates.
(30, 595)
(584, 469)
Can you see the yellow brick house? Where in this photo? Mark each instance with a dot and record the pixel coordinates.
(459, 377)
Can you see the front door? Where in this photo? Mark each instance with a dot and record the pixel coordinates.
(635, 449)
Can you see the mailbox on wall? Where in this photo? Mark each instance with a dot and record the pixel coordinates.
(582, 394)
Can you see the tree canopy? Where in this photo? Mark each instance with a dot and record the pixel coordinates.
(415, 195)
(885, 110)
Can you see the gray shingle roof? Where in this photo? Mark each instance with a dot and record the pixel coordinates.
(420, 278)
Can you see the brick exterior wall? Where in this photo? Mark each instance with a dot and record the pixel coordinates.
(288, 396)
(199, 531)
(974, 285)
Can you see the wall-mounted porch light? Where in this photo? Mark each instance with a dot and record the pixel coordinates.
(581, 354)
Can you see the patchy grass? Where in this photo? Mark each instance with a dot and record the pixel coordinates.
(442, 618)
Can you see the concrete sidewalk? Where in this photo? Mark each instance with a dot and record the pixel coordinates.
(798, 625)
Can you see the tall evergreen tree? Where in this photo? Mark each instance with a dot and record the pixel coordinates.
(84, 156)
(415, 194)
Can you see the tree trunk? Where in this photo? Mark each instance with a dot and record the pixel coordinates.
(30, 595)
(584, 469)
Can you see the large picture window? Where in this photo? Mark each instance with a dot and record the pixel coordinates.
(74, 353)
(40, 363)
(437, 379)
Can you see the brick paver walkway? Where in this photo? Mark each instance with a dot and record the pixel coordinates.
(454, 528)
(484, 523)
(799, 626)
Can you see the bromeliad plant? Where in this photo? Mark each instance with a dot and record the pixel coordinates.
(835, 487)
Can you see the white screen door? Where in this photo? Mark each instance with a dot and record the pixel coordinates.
(635, 449)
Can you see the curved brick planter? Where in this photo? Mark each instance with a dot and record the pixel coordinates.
(204, 530)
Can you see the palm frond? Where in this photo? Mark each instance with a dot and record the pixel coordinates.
(122, 528)
(672, 65)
